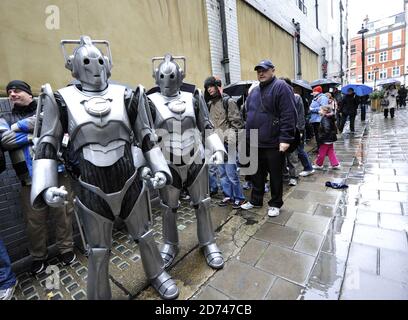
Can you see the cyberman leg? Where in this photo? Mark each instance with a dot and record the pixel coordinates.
(98, 232)
(198, 190)
(170, 202)
(138, 225)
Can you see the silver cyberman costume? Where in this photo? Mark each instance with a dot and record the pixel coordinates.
(106, 125)
(181, 119)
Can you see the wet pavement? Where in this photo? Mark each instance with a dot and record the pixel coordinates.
(326, 244)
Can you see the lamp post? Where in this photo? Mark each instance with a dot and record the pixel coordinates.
(362, 32)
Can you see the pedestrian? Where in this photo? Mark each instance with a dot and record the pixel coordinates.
(337, 96)
(301, 153)
(348, 108)
(363, 107)
(16, 135)
(402, 94)
(271, 111)
(390, 95)
(7, 277)
(319, 100)
(226, 117)
(327, 136)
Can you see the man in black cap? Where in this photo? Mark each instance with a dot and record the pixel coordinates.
(16, 135)
(270, 110)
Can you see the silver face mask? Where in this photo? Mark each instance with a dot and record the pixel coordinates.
(169, 76)
(88, 64)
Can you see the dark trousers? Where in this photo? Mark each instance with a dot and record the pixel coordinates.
(392, 112)
(269, 161)
(316, 126)
(344, 117)
(363, 108)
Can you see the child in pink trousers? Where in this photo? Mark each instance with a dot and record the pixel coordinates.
(328, 136)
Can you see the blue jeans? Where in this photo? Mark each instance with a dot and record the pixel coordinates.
(7, 277)
(212, 170)
(303, 157)
(230, 183)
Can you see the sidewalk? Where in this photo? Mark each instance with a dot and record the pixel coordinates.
(330, 244)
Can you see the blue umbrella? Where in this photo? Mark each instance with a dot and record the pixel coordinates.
(359, 89)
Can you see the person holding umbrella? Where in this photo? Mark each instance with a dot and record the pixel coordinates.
(390, 95)
(348, 109)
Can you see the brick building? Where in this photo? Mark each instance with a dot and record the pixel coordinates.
(384, 51)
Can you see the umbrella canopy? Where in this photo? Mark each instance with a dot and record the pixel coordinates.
(322, 82)
(239, 88)
(389, 82)
(359, 89)
(303, 84)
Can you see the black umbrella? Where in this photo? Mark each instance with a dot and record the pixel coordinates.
(303, 84)
(239, 88)
(324, 82)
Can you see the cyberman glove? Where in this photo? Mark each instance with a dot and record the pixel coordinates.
(159, 180)
(55, 197)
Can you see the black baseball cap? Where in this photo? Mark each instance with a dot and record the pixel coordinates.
(264, 64)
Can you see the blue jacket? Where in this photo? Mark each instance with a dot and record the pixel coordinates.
(279, 103)
(318, 102)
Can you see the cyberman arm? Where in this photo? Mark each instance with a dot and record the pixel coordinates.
(44, 190)
(213, 143)
(155, 167)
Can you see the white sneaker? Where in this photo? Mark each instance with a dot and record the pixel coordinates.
(306, 173)
(7, 294)
(249, 206)
(315, 166)
(338, 167)
(293, 182)
(273, 212)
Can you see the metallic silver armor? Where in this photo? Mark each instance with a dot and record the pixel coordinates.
(181, 119)
(104, 138)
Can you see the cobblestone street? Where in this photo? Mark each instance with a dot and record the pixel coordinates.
(326, 244)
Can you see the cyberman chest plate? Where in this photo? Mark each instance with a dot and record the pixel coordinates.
(176, 123)
(98, 123)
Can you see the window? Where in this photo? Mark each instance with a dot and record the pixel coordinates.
(371, 59)
(396, 71)
(353, 49)
(396, 37)
(383, 56)
(353, 63)
(396, 54)
(384, 40)
(302, 7)
(370, 76)
(371, 44)
(383, 74)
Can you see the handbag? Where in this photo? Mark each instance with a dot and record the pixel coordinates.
(384, 102)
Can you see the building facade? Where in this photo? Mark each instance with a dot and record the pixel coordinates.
(385, 51)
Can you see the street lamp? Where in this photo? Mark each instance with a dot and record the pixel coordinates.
(362, 32)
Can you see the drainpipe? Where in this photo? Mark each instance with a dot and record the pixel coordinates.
(317, 14)
(298, 50)
(225, 61)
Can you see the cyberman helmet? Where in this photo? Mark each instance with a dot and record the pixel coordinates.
(169, 76)
(88, 64)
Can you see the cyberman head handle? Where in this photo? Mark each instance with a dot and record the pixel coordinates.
(169, 75)
(88, 64)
